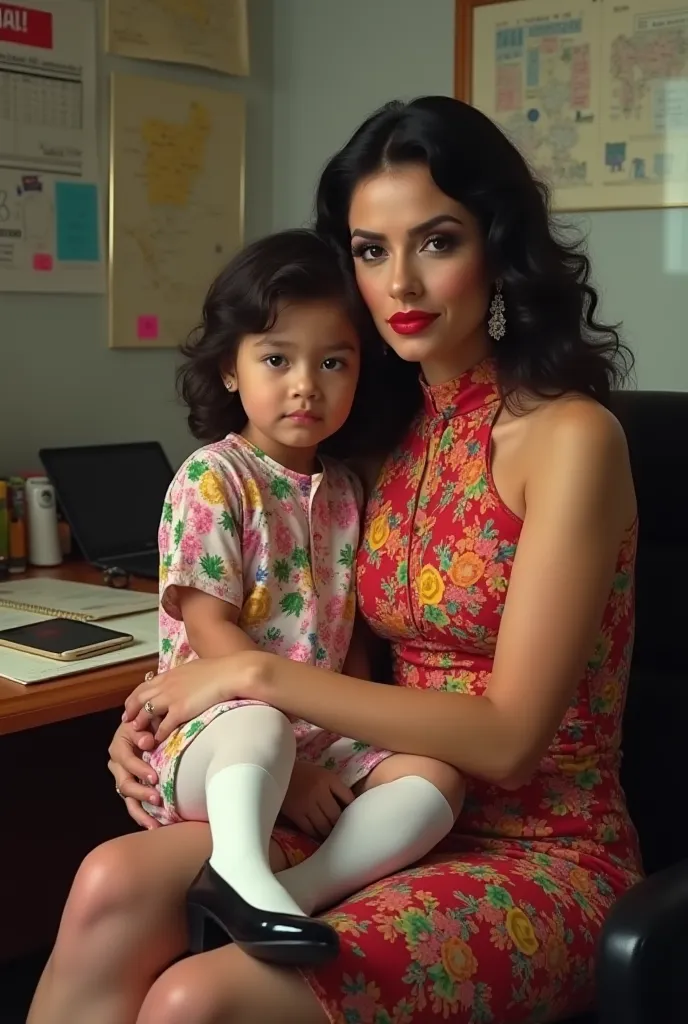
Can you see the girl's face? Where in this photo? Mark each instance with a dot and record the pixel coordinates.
(420, 267)
(297, 381)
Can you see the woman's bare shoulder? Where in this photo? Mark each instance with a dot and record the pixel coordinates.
(577, 420)
(580, 436)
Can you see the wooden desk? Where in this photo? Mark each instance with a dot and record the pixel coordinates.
(24, 707)
(58, 798)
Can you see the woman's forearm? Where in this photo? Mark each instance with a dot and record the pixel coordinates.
(462, 730)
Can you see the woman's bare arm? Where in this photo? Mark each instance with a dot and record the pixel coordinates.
(579, 500)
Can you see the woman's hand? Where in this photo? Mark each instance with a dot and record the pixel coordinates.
(184, 692)
(315, 799)
(128, 767)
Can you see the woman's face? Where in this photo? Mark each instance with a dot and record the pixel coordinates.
(419, 260)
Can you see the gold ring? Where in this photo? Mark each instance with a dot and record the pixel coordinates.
(148, 708)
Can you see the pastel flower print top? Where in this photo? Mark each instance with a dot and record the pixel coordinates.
(278, 545)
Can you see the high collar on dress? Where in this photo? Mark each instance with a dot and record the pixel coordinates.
(470, 391)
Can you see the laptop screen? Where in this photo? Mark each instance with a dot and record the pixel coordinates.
(111, 495)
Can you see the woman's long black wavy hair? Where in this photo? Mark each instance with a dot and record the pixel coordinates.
(554, 343)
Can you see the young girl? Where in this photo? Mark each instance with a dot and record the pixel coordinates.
(257, 542)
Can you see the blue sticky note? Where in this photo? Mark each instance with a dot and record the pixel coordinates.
(77, 219)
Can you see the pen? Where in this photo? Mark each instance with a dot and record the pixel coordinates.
(17, 524)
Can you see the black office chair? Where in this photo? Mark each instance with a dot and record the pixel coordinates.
(642, 968)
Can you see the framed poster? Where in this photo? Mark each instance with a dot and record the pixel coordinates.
(593, 92)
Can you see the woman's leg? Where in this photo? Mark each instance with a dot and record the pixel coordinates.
(227, 987)
(506, 937)
(406, 806)
(235, 775)
(123, 923)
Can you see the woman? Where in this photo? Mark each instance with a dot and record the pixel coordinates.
(498, 561)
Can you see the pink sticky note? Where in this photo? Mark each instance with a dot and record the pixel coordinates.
(147, 328)
(42, 261)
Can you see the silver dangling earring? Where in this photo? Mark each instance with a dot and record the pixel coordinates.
(496, 325)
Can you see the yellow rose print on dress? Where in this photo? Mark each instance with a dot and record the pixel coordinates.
(306, 579)
(210, 488)
(580, 880)
(430, 586)
(466, 569)
(257, 606)
(252, 492)
(611, 696)
(379, 532)
(174, 744)
(557, 957)
(521, 932)
(473, 477)
(458, 959)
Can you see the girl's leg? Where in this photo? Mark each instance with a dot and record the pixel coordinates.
(406, 806)
(123, 923)
(235, 774)
(227, 987)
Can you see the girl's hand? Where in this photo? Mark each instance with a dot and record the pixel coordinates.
(134, 778)
(183, 693)
(315, 799)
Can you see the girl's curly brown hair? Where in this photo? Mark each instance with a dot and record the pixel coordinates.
(245, 298)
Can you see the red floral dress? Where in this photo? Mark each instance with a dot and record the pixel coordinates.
(500, 923)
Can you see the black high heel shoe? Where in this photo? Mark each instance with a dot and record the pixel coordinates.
(277, 938)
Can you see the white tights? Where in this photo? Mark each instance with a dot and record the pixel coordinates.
(235, 775)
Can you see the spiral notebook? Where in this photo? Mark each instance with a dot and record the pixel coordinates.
(81, 601)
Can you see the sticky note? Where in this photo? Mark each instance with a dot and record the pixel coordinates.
(77, 219)
(147, 327)
(42, 261)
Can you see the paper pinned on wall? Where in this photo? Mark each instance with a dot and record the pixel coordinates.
(77, 217)
(50, 210)
(209, 33)
(42, 261)
(147, 328)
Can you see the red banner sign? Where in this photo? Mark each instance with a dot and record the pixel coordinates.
(26, 26)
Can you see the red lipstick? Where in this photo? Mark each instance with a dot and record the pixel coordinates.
(412, 322)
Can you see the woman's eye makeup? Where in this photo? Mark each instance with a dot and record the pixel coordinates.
(437, 244)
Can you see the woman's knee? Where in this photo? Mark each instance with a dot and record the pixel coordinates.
(184, 994)
(107, 882)
(227, 987)
(104, 891)
(444, 777)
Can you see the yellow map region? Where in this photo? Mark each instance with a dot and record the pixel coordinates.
(175, 156)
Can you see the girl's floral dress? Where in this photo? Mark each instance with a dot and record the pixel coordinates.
(500, 923)
(281, 547)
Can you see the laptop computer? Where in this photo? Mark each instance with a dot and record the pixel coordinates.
(112, 497)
